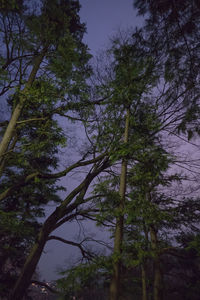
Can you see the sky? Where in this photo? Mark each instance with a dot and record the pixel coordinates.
(103, 19)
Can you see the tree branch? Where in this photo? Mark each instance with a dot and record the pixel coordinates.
(37, 174)
(85, 253)
(46, 286)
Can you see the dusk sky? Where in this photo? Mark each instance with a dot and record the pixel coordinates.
(103, 19)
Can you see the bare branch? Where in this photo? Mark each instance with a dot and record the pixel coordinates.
(46, 286)
(85, 253)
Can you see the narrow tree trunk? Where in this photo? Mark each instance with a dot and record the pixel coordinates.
(144, 263)
(144, 282)
(11, 147)
(158, 280)
(115, 280)
(18, 109)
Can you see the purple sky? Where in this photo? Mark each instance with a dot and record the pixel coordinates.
(103, 19)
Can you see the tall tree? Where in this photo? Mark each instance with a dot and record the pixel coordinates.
(43, 72)
(115, 281)
(131, 75)
(47, 43)
(166, 106)
(173, 27)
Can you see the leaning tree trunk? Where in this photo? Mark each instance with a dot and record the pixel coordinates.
(158, 279)
(51, 224)
(115, 280)
(30, 265)
(11, 147)
(18, 109)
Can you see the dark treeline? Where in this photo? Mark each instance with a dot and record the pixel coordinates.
(135, 104)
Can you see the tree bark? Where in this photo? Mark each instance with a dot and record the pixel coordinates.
(18, 109)
(158, 280)
(11, 147)
(29, 267)
(144, 282)
(144, 264)
(115, 280)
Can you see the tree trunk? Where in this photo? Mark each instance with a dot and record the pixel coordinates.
(158, 280)
(115, 280)
(11, 147)
(144, 282)
(29, 267)
(18, 109)
(144, 263)
(49, 225)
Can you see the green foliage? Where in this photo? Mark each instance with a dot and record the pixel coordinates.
(172, 28)
(10, 222)
(84, 277)
(11, 5)
(55, 28)
(148, 59)
(195, 244)
(134, 72)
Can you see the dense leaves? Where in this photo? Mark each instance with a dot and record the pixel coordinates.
(148, 86)
(53, 28)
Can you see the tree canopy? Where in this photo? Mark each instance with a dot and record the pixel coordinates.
(133, 108)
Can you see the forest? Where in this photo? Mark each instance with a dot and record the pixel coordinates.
(127, 124)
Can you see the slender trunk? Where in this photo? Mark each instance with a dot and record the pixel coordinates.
(158, 280)
(11, 147)
(144, 282)
(115, 280)
(18, 109)
(144, 265)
